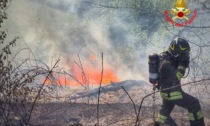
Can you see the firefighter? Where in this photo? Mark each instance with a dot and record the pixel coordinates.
(172, 66)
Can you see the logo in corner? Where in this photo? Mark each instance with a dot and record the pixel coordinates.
(180, 13)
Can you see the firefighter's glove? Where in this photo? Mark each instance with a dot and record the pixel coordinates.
(183, 64)
(180, 71)
(156, 86)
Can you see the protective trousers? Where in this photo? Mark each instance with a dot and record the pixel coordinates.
(184, 100)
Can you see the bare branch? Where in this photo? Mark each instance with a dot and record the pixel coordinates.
(134, 105)
(38, 94)
(99, 90)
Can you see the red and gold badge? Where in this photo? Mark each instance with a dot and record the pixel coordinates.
(180, 11)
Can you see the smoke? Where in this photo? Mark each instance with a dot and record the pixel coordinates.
(67, 28)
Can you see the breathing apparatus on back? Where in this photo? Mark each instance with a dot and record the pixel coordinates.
(153, 68)
(178, 50)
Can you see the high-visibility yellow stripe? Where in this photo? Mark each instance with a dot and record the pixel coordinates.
(176, 97)
(175, 93)
(172, 96)
(172, 46)
(161, 118)
(179, 75)
(161, 121)
(191, 117)
(182, 48)
(164, 95)
(199, 114)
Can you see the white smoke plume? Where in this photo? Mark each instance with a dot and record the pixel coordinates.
(66, 28)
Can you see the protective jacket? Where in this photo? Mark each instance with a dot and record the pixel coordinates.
(171, 71)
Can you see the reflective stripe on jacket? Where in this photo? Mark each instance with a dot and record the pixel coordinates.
(172, 95)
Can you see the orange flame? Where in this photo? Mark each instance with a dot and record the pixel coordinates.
(90, 75)
(93, 75)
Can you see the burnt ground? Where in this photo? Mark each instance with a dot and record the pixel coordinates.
(54, 114)
(111, 114)
(116, 109)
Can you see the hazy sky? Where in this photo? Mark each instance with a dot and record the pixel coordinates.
(66, 28)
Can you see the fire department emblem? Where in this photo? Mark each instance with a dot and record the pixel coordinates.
(180, 11)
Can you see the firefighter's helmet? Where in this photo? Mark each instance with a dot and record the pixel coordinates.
(179, 47)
